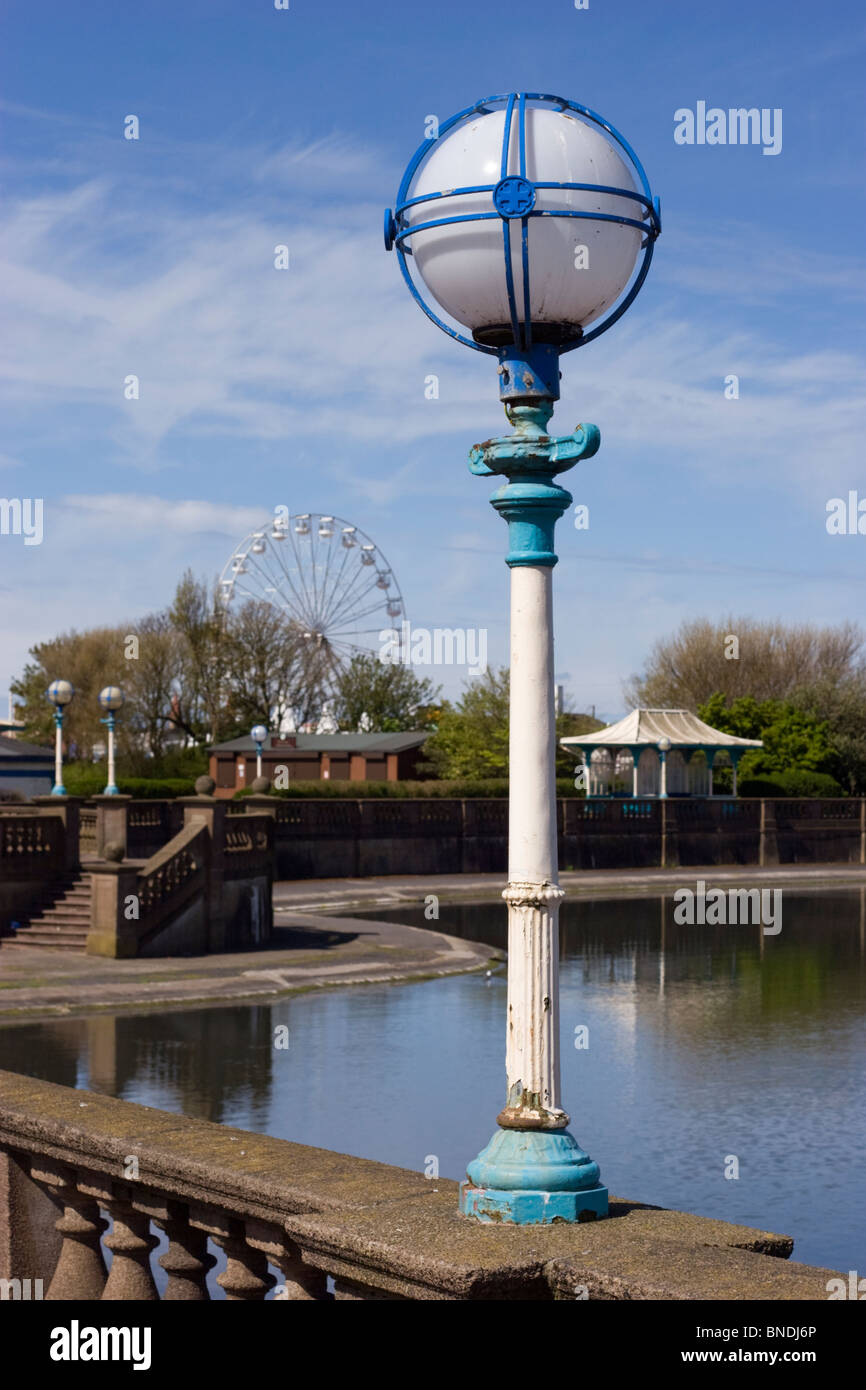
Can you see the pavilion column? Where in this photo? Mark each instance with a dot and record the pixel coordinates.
(635, 759)
(710, 755)
(735, 758)
(587, 762)
(663, 773)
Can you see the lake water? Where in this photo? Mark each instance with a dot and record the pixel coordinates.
(706, 1045)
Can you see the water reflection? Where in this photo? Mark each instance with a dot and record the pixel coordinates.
(704, 1043)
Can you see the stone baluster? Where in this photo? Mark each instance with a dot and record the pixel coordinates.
(187, 1261)
(301, 1282)
(130, 1243)
(80, 1272)
(245, 1277)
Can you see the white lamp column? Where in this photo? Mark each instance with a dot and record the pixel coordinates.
(60, 693)
(111, 699)
(533, 894)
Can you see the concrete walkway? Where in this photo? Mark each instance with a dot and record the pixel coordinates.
(318, 943)
(306, 953)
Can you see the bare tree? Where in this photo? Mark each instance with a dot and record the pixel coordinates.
(744, 656)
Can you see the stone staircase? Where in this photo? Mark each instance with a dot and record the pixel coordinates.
(62, 921)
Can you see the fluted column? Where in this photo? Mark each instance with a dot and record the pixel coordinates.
(532, 1047)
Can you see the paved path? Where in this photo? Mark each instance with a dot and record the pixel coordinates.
(318, 943)
(307, 953)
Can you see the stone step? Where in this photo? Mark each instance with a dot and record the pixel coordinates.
(62, 914)
(61, 921)
(47, 940)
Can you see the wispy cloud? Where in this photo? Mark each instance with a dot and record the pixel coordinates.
(150, 513)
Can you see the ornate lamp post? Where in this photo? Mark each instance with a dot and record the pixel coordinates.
(111, 699)
(258, 734)
(530, 222)
(664, 747)
(59, 693)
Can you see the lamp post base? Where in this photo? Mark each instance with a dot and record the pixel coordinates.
(533, 1177)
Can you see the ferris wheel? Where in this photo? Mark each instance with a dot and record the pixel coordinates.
(330, 579)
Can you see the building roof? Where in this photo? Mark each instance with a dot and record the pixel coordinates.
(644, 727)
(325, 743)
(28, 752)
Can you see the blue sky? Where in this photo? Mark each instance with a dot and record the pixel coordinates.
(306, 387)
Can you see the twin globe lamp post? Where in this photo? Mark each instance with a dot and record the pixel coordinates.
(530, 223)
(111, 699)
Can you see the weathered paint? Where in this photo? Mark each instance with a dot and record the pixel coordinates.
(532, 1170)
(531, 1176)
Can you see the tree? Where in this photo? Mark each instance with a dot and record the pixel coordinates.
(265, 671)
(202, 700)
(471, 740)
(767, 660)
(379, 697)
(90, 660)
(150, 685)
(843, 704)
(792, 738)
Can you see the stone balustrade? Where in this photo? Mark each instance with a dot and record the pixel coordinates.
(208, 889)
(172, 1199)
(34, 852)
(262, 838)
(357, 838)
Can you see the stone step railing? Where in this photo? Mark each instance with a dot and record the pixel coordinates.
(34, 854)
(309, 1224)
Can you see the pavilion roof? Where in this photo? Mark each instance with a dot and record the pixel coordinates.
(646, 726)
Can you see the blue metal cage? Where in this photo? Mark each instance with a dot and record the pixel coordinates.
(513, 199)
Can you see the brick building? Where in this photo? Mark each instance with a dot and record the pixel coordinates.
(311, 757)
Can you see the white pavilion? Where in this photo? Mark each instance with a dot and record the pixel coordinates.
(656, 752)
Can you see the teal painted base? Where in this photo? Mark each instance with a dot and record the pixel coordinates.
(532, 1208)
(111, 790)
(533, 1176)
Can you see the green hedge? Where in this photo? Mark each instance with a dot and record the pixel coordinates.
(494, 787)
(793, 782)
(88, 779)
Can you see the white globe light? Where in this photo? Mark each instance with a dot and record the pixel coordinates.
(60, 693)
(578, 267)
(111, 697)
(258, 733)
